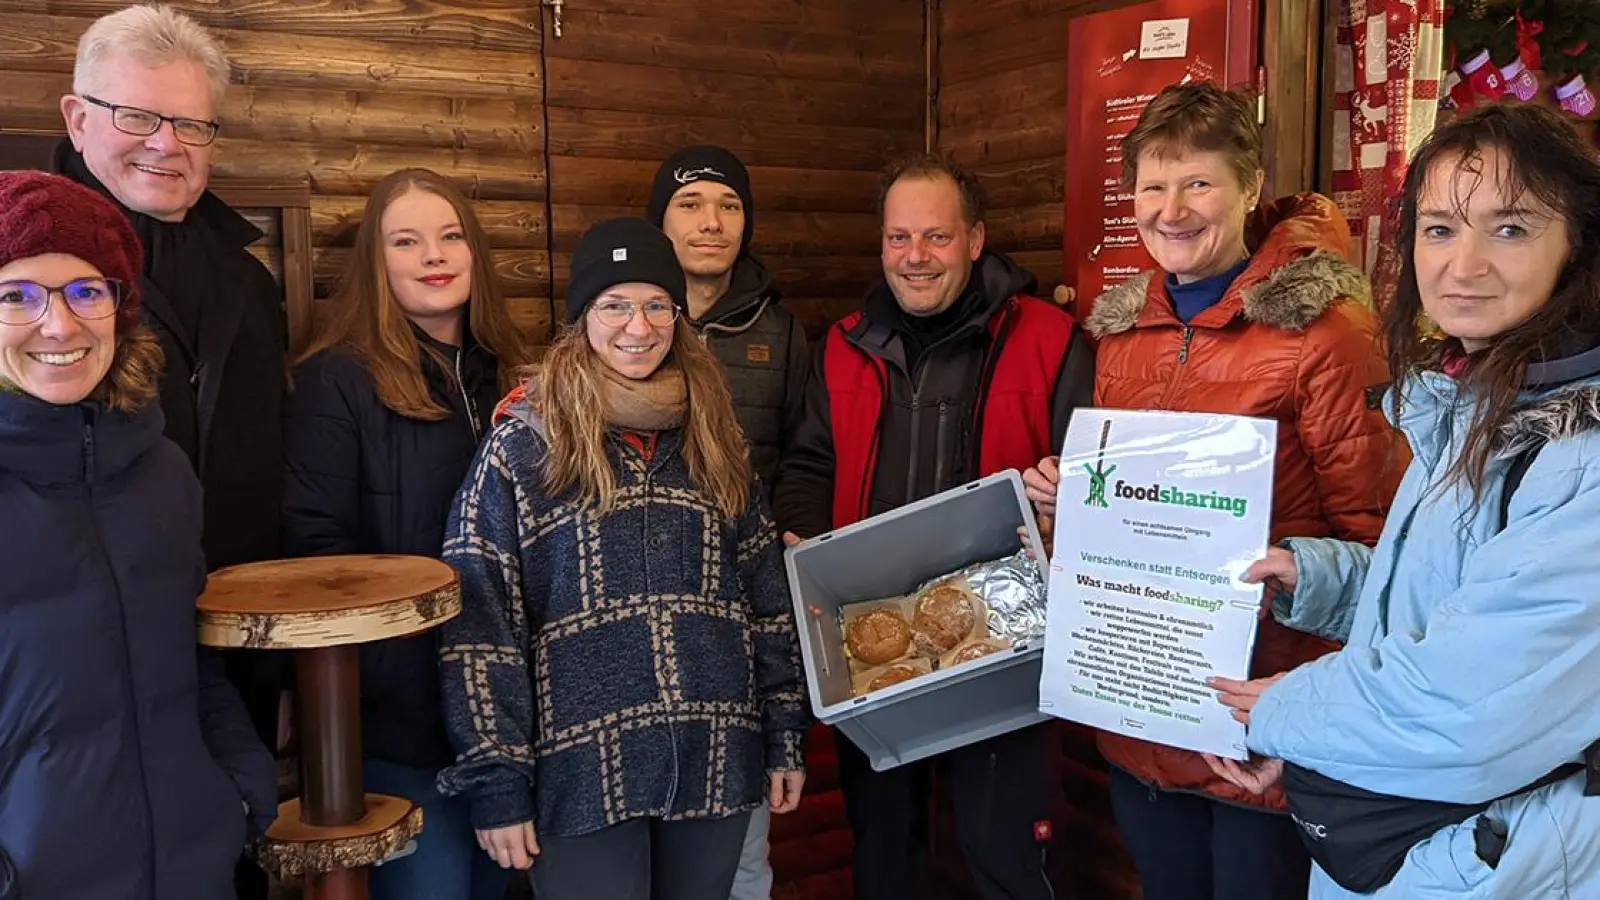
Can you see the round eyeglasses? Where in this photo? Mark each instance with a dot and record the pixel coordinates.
(618, 313)
(143, 123)
(25, 302)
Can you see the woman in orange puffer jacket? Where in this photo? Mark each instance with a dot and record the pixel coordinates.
(1251, 312)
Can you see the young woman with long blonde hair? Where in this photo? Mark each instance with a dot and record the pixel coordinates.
(391, 397)
(623, 685)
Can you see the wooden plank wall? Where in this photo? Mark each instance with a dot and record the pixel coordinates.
(813, 95)
(344, 93)
(1002, 96)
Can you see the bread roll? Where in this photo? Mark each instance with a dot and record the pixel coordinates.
(878, 636)
(967, 651)
(945, 616)
(879, 677)
(894, 675)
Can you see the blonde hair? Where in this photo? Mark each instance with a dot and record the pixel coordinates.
(364, 317)
(134, 379)
(567, 389)
(155, 35)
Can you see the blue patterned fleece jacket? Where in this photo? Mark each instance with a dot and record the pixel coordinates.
(643, 663)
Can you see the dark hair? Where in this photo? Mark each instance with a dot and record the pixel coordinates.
(974, 200)
(1196, 117)
(1546, 160)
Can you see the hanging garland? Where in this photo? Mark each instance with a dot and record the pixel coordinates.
(1568, 36)
(1473, 26)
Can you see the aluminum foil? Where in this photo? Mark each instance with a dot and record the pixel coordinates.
(1014, 589)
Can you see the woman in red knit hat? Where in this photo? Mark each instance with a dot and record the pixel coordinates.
(128, 768)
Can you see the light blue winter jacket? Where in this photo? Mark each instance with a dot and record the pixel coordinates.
(1472, 664)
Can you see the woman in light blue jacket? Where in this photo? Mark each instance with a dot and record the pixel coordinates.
(1472, 662)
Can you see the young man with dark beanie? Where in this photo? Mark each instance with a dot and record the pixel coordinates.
(701, 199)
(951, 371)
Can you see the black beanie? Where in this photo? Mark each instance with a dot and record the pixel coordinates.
(703, 163)
(618, 251)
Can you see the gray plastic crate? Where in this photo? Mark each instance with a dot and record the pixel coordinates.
(891, 554)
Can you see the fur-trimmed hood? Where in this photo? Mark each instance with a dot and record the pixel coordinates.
(1559, 415)
(1297, 271)
(1569, 405)
(1561, 401)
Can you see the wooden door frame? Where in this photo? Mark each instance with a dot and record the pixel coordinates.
(1296, 112)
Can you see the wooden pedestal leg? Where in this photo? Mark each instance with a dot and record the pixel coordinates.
(345, 884)
(330, 747)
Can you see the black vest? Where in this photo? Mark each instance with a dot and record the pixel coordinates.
(756, 357)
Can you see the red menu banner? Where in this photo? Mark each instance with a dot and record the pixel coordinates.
(1119, 60)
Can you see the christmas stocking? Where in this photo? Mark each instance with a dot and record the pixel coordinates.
(1519, 82)
(1482, 78)
(1575, 97)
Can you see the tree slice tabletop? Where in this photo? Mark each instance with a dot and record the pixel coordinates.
(326, 601)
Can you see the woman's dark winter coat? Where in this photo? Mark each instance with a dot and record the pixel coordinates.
(362, 478)
(126, 758)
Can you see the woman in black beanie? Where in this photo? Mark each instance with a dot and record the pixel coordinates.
(623, 685)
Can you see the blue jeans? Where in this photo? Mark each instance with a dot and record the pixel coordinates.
(448, 864)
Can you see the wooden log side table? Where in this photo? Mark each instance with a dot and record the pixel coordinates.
(323, 608)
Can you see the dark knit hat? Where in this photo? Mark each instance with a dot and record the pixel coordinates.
(618, 251)
(703, 163)
(41, 213)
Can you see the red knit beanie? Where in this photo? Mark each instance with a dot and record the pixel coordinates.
(41, 213)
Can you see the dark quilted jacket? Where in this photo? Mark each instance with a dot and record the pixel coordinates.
(363, 479)
(125, 753)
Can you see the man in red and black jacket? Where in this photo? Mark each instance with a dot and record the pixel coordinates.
(951, 371)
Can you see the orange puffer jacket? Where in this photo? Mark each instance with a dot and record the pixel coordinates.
(1293, 339)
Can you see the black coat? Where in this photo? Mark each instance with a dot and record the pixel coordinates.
(124, 751)
(222, 395)
(222, 392)
(361, 478)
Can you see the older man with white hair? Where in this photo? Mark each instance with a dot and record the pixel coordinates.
(141, 121)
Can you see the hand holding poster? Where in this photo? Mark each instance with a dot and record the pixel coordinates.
(1158, 516)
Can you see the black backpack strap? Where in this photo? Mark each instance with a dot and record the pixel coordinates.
(1519, 467)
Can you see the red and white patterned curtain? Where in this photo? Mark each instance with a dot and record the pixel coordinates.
(1388, 59)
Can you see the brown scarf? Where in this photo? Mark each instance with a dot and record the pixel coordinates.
(650, 404)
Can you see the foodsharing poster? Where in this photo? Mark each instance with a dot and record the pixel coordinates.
(1158, 515)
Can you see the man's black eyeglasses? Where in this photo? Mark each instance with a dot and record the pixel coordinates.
(143, 123)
